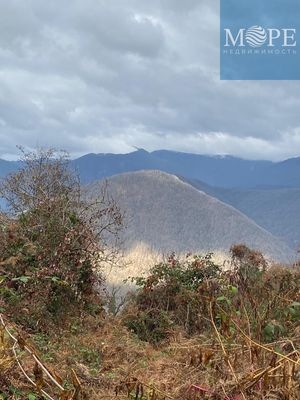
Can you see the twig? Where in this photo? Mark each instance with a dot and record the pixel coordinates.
(25, 374)
(223, 349)
(16, 342)
(265, 347)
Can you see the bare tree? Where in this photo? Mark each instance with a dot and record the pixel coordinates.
(57, 231)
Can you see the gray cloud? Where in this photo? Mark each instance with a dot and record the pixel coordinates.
(98, 76)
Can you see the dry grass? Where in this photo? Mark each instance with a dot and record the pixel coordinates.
(180, 369)
(21, 365)
(98, 358)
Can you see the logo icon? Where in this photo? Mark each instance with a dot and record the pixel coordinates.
(256, 36)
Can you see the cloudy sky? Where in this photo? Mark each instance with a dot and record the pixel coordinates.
(111, 75)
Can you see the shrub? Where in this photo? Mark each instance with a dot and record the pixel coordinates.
(52, 235)
(260, 299)
(172, 295)
(195, 295)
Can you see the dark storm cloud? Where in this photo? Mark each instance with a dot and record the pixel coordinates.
(93, 75)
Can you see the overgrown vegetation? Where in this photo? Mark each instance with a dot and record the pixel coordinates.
(50, 239)
(191, 330)
(172, 296)
(240, 326)
(257, 298)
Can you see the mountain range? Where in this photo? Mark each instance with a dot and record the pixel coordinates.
(265, 193)
(220, 171)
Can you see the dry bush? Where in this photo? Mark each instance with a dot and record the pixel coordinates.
(51, 242)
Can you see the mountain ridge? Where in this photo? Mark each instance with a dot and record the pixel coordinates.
(221, 171)
(168, 214)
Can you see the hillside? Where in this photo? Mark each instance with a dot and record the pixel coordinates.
(276, 210)
(169, 215)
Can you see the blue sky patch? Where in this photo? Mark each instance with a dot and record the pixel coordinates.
(260, 40)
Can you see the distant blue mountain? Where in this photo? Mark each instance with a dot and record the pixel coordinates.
(8, 166)
(222, 171)
(226, 172)
(219, 171)
(275, 209)
(93, 167)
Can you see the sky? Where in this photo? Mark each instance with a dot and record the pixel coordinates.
(109, 76)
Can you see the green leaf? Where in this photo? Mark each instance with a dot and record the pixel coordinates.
(55, 279)
(31, 396)
(23, 279)
(225, 299)
(278, 350)
(233, 289)
(280, 328)
(292, 311)
(269, 330)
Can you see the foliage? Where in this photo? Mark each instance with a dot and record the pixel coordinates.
(265, 298)
(51, 237)
(172, 295)
(224, 359)
(187, 294)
